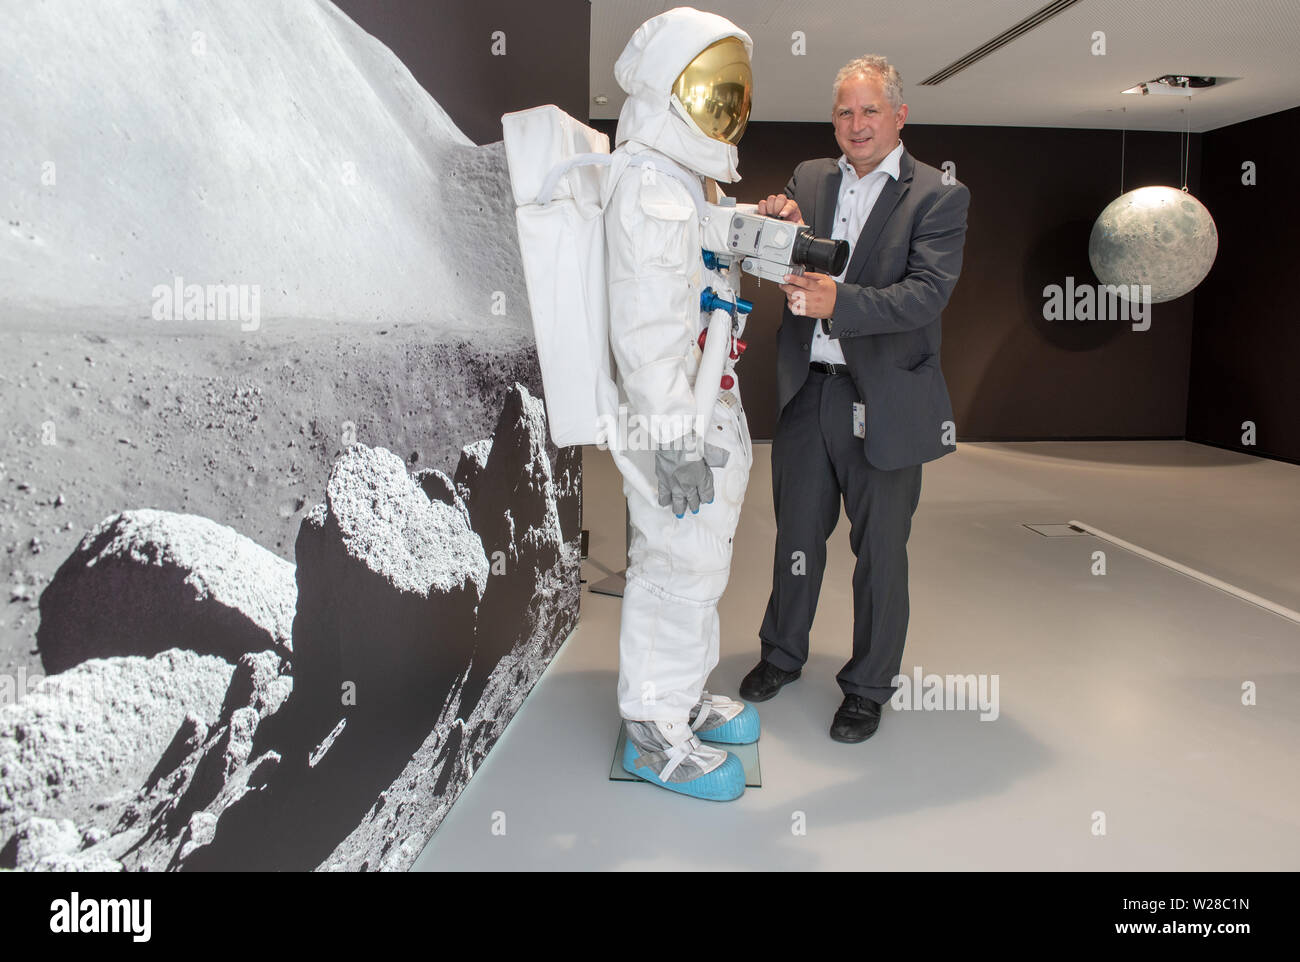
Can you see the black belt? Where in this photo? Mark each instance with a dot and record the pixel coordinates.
(823, 368)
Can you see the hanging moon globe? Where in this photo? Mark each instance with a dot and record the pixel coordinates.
(1159, 236)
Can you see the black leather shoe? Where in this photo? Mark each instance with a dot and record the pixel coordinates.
(856, 720)
(765, 680)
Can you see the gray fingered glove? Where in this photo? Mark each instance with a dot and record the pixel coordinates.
(683, 482)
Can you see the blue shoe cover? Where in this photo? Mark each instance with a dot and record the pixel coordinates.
(744, 729)
(723, 784)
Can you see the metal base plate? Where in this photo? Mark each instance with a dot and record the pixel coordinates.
(612, 586)
(1056, 530)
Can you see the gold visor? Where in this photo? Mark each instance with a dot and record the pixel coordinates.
(717, 89)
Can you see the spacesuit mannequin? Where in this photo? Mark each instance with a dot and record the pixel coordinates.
(687, 77)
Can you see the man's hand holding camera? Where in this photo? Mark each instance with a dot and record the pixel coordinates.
(810, 294)
(779, 205)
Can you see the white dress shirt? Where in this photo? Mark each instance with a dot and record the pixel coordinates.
(857, 196)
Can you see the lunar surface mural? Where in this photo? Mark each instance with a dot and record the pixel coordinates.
(286, 542)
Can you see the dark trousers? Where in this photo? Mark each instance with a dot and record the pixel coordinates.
(816, 461)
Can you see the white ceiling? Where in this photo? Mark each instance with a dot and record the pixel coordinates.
(1045, 78)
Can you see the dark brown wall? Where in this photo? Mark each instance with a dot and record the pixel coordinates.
(447, 45)
(1245, 363)
(1035, 193)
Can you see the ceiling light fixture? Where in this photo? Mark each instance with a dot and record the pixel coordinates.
(1180, 85)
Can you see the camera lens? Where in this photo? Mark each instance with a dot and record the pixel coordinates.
(819, 254)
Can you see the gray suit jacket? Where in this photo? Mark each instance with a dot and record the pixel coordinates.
(887, 311)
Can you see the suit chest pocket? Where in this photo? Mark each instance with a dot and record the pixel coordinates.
(666, 232)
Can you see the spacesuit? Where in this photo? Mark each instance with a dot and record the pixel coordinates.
(687, 77)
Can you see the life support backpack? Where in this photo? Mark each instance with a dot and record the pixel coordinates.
(562, 175)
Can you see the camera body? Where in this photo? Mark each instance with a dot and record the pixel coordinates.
(770, 248)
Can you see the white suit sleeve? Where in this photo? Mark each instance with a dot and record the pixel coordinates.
(654, 265)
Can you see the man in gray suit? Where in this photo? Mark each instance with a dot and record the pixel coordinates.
(863, 401)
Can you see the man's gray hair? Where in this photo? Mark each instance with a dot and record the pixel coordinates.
(871, 64)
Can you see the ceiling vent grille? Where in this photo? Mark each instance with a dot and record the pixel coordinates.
(1001, 40)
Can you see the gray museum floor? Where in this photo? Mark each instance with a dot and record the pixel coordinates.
(1121, 739)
